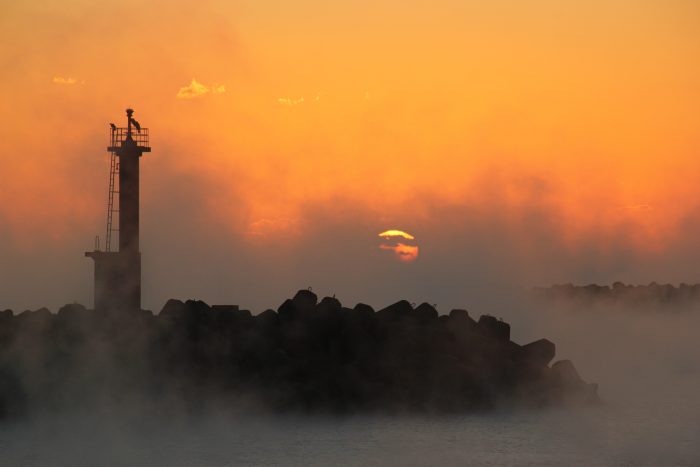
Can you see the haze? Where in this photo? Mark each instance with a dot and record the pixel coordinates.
(521, 143)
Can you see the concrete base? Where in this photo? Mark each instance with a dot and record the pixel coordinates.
(117, 281)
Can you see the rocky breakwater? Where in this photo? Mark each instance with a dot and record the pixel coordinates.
(306, 356)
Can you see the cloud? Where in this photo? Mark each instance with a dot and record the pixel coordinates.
(197, 89)
(290, 101)
(64, 80)
(406, 253)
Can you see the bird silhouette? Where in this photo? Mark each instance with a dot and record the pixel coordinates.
(114, 127)
(136, 125)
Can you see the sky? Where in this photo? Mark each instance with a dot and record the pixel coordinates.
(518, 143)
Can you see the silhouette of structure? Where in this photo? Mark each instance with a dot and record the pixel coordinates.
(118, 273)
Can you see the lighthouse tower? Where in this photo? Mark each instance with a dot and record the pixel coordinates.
(118, 273)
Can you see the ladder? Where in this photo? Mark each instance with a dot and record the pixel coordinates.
(113, 172)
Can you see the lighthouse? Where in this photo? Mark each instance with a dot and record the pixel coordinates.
(118, 273)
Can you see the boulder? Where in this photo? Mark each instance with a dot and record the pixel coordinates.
(288, 310)
(330, 304)
(225, 308)
(305, 299)
(71, 310)
(461, 318)
(538, 353)
(425, 312)
(396, 310)
(173, 309)
(488, 326)
(198, 311)
(364, 309)
(570, 386)
(37, 316)
(267, 318)
(565, 373)
(243, 314)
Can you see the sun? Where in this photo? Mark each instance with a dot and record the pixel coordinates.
(404, 252)
(396, 233)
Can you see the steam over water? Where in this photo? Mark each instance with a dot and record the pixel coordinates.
(630, 434)
(647, 365)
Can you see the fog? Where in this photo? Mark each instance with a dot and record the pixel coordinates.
(513, 162)
(471, 252)
(646, 363)
(477, 256)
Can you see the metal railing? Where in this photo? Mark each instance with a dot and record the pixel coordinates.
(139, 137)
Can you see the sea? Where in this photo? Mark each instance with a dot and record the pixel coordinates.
(630, 432)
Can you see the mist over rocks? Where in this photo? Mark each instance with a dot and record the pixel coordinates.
(651, 297)
(307, 356)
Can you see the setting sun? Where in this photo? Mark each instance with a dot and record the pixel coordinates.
(403, 252)
(396, 233)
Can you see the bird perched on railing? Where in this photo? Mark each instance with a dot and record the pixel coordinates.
(114, 127)
(136, 124)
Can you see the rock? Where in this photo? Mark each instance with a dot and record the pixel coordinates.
(457, 313)
(225, 308)
(396, 310)
(426, 313)
(197, 306)
(565, 373)
(243, 314)
(488, 326)
(539, 353)
(570, 386)
(267, 319)
(37, 317)
(330, 304)
(310, 356)
(462, 318)
(364, 309)
(288, 310)
(73, 310)
(173, 309)
(305, 299)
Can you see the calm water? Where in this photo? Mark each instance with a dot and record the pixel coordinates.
(666, 433)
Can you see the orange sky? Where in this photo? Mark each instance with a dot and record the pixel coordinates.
(585, 112)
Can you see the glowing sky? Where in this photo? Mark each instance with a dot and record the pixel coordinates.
(540, 141)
